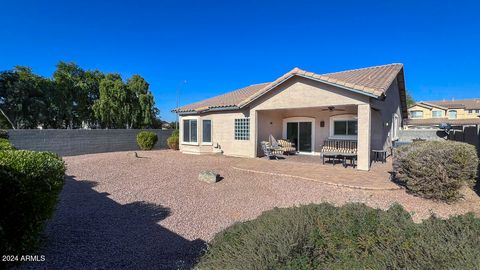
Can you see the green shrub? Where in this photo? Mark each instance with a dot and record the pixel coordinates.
(3, 134)
(146, 140)
(350, 237)
(173, 140)
(436, 169)
(6, 145)
(30, 183)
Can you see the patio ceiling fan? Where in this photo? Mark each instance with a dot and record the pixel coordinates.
(332, 109)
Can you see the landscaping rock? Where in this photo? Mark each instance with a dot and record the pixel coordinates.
(208, 176)
(133, 154)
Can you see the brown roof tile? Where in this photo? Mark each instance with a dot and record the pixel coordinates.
(373, 81)
(468, 104)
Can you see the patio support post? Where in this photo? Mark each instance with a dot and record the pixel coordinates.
(364, 136)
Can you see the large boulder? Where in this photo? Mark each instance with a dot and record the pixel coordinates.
(208, 176)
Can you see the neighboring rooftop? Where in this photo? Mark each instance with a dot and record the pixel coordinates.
(371, 81)
(468, 104)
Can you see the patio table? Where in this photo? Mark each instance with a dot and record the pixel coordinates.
(342, 156)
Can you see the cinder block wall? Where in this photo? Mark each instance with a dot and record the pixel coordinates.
(407, 135)
(71, 142)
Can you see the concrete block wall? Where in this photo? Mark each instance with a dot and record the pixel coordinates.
(71, 142)
(407, 135)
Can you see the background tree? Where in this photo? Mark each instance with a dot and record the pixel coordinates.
(21, 97)
(410, 100)
(143, 103)
(75, 98)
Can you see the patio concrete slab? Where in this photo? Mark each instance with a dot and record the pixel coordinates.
(310, 168)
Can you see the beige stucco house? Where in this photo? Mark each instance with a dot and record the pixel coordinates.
(366, 105)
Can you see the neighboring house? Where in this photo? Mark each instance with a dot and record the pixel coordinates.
(366, 105)
(430, 114)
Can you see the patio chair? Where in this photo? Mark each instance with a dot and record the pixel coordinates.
(282, 146)
(287, 146)
(267, 150)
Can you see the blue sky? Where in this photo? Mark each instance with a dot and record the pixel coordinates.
(218, 46)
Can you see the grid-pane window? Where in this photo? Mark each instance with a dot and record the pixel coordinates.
(242, 129)
(437, 114)
(207, 131)
(190, 130)
(416, 114)
(452, 114)
(345, 127)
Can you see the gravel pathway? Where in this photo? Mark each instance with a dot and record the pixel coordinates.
(118, 211)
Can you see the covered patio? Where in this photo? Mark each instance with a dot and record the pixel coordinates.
(309, 128)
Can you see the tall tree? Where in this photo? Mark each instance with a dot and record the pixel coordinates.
(21, 97)
(144, 105)
(104, 107)
(68, 86)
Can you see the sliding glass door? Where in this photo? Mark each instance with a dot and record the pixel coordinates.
(300, 133)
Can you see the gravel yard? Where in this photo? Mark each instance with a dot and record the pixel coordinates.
(118, 211)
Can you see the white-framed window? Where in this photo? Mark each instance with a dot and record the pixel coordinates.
(416, 114)
(242, 129)
(190, 130)
(437, 114)
(471, 111)
(452, 114)
(206, 131)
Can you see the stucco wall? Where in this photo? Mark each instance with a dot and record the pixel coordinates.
(300, 92)
(223, 137)
(427, 113)
(382, 117)
(70, 142)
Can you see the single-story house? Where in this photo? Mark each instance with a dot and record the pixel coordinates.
(367, 105)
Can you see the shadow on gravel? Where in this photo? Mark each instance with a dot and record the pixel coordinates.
(90, 230)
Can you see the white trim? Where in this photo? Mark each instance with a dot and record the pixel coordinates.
(301, 119)
(395, 127)
(341, 117)
(181, 129)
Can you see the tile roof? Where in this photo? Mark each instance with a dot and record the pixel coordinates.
(429, 105)
(372, 81)
(467, 104)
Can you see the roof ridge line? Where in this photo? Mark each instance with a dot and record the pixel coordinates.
(356, 69)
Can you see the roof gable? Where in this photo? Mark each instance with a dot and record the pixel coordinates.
(371, 81)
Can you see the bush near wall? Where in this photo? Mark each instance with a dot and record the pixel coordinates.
(30, 183)
(436, 169)
(353, 236)
(3, 134)
(173, 140)
(146, 140)
(5, 145)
